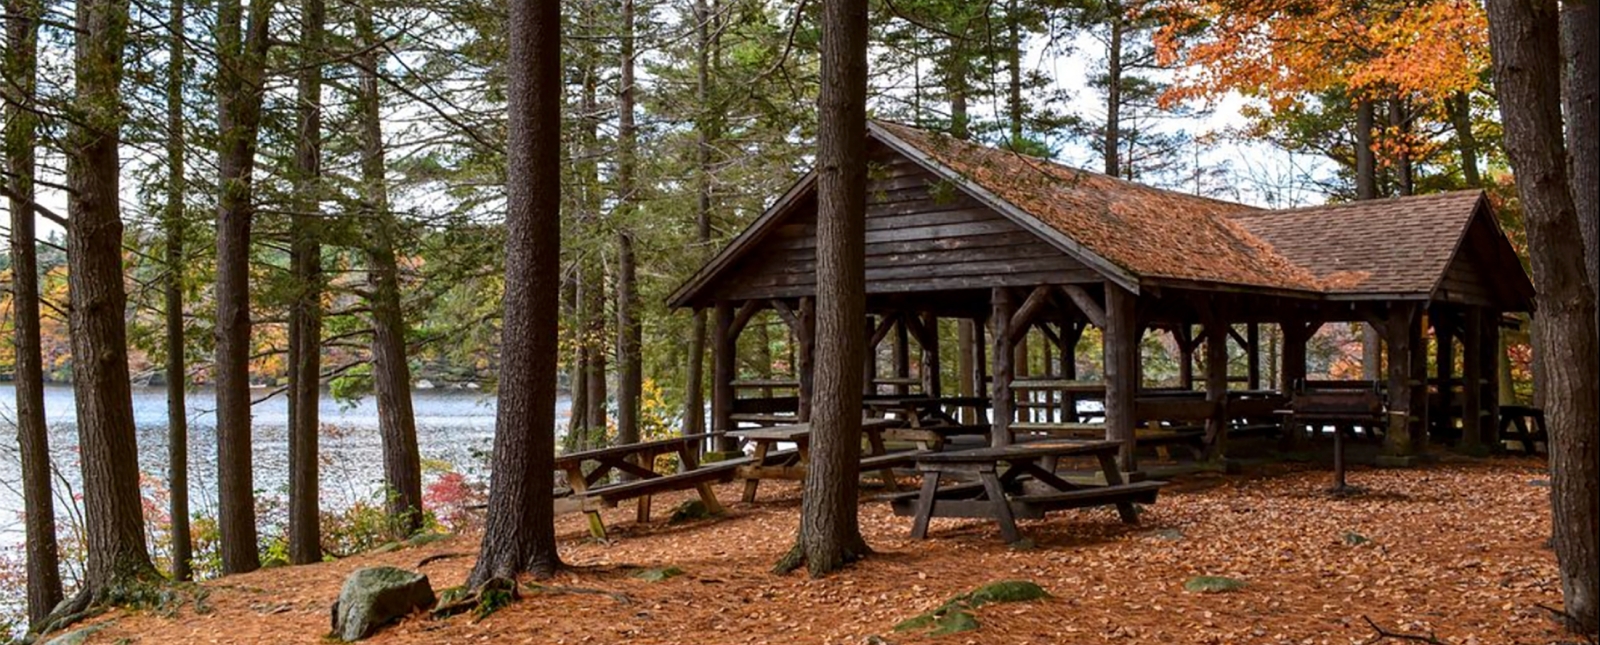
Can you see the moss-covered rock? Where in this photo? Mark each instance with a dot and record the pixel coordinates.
(374, 596)
(659, 574)
(955, 615)
(1212, 584)
(693, 509)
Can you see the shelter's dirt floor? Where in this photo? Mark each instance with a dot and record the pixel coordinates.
(1457, 549)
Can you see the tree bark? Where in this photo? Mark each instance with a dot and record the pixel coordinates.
(1466, 142)
(242, 60)
(694, 421)
(1401, 123)
(33, 439)
(519, 534)
(177, 372)
(1527, 72)
(629, 364)
(1113, 133)
(1580, 92)
(305, 311)
(830, 532)
(113, 517)
(1367, 188)
(391, 373)
(593, 270)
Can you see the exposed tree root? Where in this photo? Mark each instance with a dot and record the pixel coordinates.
(1430, 639)
(796, 557)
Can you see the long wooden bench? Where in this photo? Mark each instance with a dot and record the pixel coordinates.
(593, 490)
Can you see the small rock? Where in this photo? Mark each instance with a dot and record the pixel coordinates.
(662, 574)
(373, 597)
(1353, 538)
(78, 636)
(1212, 584)
(1170, 535)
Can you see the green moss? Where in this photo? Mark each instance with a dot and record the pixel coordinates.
(690, 510)
(421, 539)
(1353, 538)
(955, 615)
(1212, 584)
(661, 574)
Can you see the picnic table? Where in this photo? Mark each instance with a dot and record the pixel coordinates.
(928, 422)
(1000, 494)
(589, 474)
(768, 462)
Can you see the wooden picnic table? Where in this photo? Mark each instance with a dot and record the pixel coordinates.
(1060, 385)
(1001, 468)
(928, 422)
(769, 463)
(590, 493)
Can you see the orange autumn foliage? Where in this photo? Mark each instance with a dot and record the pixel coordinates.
(1282, 51)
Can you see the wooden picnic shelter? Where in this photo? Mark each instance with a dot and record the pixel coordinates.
(1028, 250)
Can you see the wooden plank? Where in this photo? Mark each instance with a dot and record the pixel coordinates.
(1397, 440)
(722, 370)
(1022, 320)
(1120, 346)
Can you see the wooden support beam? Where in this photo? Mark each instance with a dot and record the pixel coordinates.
(1120, 347)
(1000, 401)
(786, 312)
(1444, 368)
(1049, 334)
(980, 356)
(1418, 331)
(746, 311)
(1086, 304)
(880, 332)
(1022, 320)
(723, 348)
(965, 368)
(1183, 335)
(1217, 384)
(1493, 353)
(902, 354)
(1397, 328)
(1252, 355)
(929, 341)
(1472, 369)
(869, 358)
(1237, 337)
(805, 334)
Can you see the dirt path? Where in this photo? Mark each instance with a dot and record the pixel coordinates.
(1457, 549)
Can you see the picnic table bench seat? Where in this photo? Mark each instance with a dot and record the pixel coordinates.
(762, 419)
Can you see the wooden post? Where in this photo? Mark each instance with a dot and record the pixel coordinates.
(1071, 333)
(1493, 353)
(965, 367)
(869, 360)
(1217, 385)
(1472, 356)
(1397, 438)
(1419, 383)
(805, 356)
(723, 349)
(1001, 402)
(1290, 374)
(902, 355)
(1121, 370)
(1183, 335)
(980, 359)
(929, 341)
(1252, 355)
(1445, 369)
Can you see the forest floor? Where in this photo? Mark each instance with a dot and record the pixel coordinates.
(1457, 549)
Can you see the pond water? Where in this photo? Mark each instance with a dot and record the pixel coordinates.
(454, 427)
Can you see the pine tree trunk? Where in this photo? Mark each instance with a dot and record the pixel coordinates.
(1367, 188)
(629, 372)
(830, 532)
(242, 58)
(113, 512)
(1401, 124)
(519, 535)
(33, 439)
(1580, 41)
(694, 417)
(177, 372)
(1113, 133)
(1014, 107)
(1527, 72)
(391, 373)
(305, 312)
(593, 269)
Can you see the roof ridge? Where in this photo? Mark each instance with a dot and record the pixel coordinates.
(1362, 203)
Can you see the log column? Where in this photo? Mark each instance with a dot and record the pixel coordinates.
(1472, 382)
(1183, 335)
(1419, 383)
(1120, 345)
(1001, 401)
(1491, 354)
(965, 368)
(928, 340)
(723, 352)
(1397, 329)
(1217, 386)
(902, 355)
(1292, 373)
(805, 358)
(1445, 370)
(1252, 355)
(869, 359)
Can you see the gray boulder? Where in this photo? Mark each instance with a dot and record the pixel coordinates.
(375, 596)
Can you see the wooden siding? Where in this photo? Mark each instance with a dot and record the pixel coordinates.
(922, 234)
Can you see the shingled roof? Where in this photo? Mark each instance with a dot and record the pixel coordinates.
(1140, 236)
